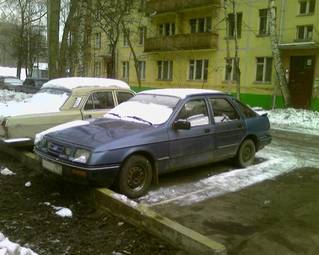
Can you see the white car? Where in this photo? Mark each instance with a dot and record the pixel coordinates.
(59, 101)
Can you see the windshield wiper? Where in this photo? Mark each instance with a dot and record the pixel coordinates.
(140, 119)
(114, 114)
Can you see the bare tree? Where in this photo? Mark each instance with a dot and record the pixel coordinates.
(280, 73)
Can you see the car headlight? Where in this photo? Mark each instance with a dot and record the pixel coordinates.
(81, 156)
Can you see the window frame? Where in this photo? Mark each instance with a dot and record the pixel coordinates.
(98, 40)
(161, 70)
(264, 19)
(310, 7)
(192, 69)
(305, 33)
(231, 25)
(142, 69)
(125, 70)
(265, 66)
(194, 25)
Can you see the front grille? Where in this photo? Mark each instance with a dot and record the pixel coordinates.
(55, 149)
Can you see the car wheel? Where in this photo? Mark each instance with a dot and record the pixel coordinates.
(135, 176)
(246, 153)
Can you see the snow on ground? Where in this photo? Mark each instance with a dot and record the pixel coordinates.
(302, 121)
(10, 248)
(276, 162)
(11, 71)
(6, 171)
(60, 211)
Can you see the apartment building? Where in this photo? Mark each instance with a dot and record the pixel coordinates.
(187, 43)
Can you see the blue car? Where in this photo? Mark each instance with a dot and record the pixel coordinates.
(155, 132)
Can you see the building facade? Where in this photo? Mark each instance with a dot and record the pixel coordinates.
(188, 43)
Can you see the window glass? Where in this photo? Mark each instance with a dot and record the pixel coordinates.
(248, 113)
(223, 111)
(123, 96)
(194, 111)
(100, 100)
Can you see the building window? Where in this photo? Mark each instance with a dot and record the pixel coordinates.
(231, 24)
(167, 29)
(307, 7)
(304, 33)
(164, 70)
(141, 69)
(264, 69)
(126, 35)
(229, 69)
(200, 25)
(125, 70)
(198, 69)
(142, 35)
(263, 22)
(98, 40)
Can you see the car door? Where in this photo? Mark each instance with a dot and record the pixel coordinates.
(123, 96)
(229, 128)
(97, 104)
(194, 146)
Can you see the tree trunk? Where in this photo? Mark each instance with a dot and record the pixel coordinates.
(280, 73)
(64, 43)
(53, 36)
(81, 40)
(236, 64)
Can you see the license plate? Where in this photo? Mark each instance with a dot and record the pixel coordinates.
(52, 167)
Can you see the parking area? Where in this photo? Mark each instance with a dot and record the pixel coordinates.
(268, 208)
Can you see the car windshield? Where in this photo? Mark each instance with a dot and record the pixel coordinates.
(13, 81)
(148, 108)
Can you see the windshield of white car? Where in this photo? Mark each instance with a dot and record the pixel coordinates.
(146, 108)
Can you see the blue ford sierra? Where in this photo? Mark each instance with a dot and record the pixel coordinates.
(155, 132)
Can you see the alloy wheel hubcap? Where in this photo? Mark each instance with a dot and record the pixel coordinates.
(136, 178)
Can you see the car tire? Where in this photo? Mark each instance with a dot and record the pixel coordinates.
(135, 176)
(246, 153)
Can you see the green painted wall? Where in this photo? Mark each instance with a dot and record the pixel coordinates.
(254, 100)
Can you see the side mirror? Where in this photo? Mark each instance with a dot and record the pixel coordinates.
(181, 124)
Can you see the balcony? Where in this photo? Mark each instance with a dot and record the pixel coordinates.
(196, 41)
(160, 6)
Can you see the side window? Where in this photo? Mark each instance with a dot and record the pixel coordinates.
(248, 113)
(223, 110)
(123, 96)
(194, 111)
(99, 101)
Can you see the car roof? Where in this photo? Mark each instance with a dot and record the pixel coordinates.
(78, 82)
(180, 92)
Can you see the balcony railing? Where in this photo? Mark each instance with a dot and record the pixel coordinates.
(160, 6)
(181, 42)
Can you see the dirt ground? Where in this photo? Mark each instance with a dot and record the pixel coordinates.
(25, 219)
(275, 217)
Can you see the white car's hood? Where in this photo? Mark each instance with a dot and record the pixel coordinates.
(38, 103)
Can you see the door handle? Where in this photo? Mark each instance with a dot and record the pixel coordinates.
(206, 130)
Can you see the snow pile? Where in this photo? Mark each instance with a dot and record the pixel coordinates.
(303, 121)
(38, 103)
(10, 248)
(61, 211)
(6, 172)
(11, 71)
(7, 95)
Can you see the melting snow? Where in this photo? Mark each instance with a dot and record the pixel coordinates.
(10, 248)
(60, 211)
(6, 171)
(11, 71)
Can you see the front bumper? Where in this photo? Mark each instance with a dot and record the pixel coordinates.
(97, 176)
(16, 142)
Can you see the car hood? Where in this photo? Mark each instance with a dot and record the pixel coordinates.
(99, 132)
(38, 103)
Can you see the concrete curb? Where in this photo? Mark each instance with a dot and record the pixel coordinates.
(137, 214)
(170, 231)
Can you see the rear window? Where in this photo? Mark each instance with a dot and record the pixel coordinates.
(248, 112)
(123, 96)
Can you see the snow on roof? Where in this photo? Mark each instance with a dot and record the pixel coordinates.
(77, 82)
(181, 93)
